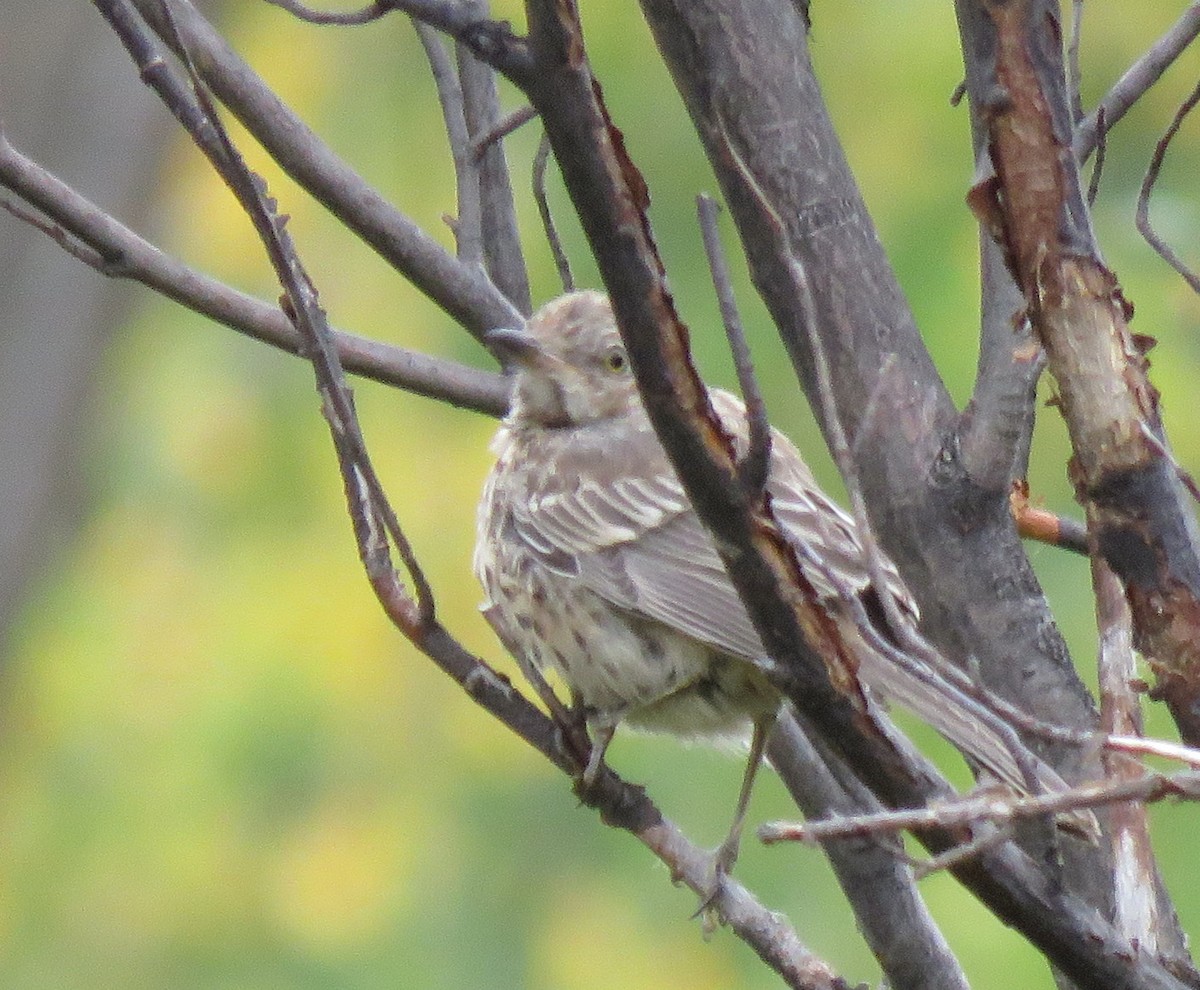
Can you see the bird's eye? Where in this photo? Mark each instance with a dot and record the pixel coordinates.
(615, 359)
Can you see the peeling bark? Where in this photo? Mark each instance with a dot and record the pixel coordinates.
(1139, 517)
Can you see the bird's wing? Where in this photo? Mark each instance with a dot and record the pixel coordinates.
(618, 521)
(674, 575)
(610, 512)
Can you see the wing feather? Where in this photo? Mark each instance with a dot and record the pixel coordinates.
(619, 513)
(673, 574)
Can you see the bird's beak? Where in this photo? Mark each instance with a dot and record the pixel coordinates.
(514, 347)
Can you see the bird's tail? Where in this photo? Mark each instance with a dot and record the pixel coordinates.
(998, 752)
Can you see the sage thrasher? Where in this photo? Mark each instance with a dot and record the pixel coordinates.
(596, 566)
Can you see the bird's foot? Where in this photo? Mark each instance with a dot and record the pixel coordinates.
(594, 766)
(722, 866)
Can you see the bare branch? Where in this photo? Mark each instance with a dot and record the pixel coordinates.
(1154, 747)
(755, 465)
(492, 42)
(468, 223)
(502, 253)
(502, 128)
(1138, 78)
(464, 20)
(1163, 451)
(371, 12)
(1142, 217)
(81, 252)
(997, 808)
(996, 428)
(957, 856)
(465, 293)
(1074, 75)
(1101, 149)
(1036, 523)
(561, 262)
(115, 251)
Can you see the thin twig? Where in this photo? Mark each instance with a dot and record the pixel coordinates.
(1154, 747)
(1164, 451)
(997, 807)
(957, 855)
(1142, 217)
(371, 12)
(1138, 78)
(561, 261)
(1074, 75)
(1101, 150)
(81, 252)
(754, 466)
(468, 224)
(1037, 523)
(505, 126)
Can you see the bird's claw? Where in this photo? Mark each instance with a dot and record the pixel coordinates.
(722, 866)
(597, 745)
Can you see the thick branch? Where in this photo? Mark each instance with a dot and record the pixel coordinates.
(1139, 516)
(876, 880)
(467, 223)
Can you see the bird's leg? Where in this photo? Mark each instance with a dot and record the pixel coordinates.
(601, 737)
(727, 852)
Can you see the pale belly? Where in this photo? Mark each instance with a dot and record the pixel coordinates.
(627, 669)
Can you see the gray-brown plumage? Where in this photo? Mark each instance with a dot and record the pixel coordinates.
(595, 564)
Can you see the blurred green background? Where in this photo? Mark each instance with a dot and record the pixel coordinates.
(220, 767)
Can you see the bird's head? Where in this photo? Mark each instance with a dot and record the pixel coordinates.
(568, 364)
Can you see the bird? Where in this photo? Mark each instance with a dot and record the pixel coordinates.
(595, 565)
